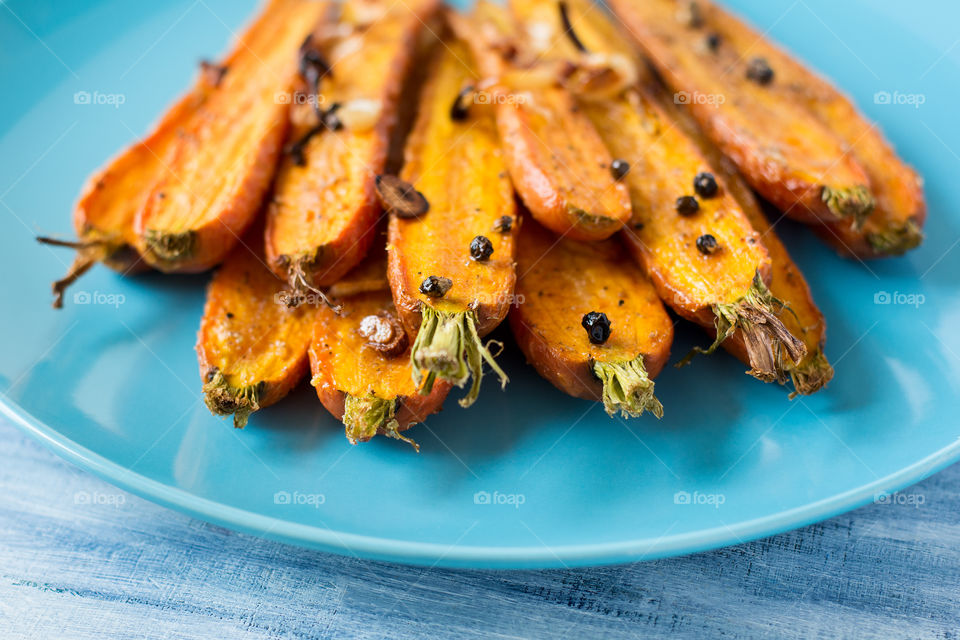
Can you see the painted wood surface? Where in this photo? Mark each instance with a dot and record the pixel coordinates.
(82, 559)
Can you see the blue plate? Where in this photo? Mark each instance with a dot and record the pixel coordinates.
(526, 478)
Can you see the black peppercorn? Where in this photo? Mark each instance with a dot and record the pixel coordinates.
(597, 325)
(619, 169)
(435, 287)
(713, 41)
(503, 224)
(687, 205)
(481, 248)
(707, 244)
(759, 71)
(705, 185)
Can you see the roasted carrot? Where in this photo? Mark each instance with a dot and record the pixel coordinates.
(252, 348)
(324, 211)
(360, 359)
(557, 161)
(218, 170)
(786, 153)
(562, 288)
(692, 239)
(451, 243)
(801, 316)
(105, 213)
(896, 223)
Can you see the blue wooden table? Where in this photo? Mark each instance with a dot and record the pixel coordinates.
(82, 559)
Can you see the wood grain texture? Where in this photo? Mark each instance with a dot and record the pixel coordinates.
(82, 559)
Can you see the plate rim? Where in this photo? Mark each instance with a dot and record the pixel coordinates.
(456, 556)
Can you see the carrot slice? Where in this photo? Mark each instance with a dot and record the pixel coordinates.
(104, 215)
(558, 163)
(701, 252)
(360, 361)
(896, 223)
(786, 153)
(106, 211)
(801, 317)
(324, 211)
(559, 282)
(449, 292)
(252, 348)
(218, 171)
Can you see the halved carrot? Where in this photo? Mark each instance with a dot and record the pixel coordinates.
(786, 153)
(558, 162)
(801, 317)
(360, 360)
(252, 348)
(219, 169)
(896, 223)
(451, 269)
(324, 210)
(560, 281)
(105, 213)
(702, 254)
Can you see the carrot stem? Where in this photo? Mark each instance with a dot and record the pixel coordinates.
(448, 347)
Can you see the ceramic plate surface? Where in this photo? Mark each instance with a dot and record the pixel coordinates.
(526, 478)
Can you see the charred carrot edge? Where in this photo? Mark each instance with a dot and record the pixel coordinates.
(323, 216)
(746, 124)
(221, 165)
(243, 372)
(450, 268)
(559, 164)
(561, 282)
(895, 225)
(364, 385)
(715, 293)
